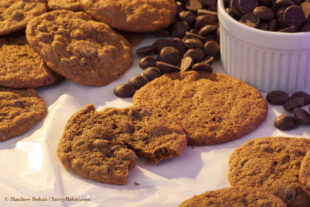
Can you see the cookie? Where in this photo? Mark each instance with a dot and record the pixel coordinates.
(78, 48)
(21, 66)
(15, 14)
(102, 146)
(20, 109)
(239, 196)
(134, 15)
(304, 174)
(271, 163)
(133, 38)
(73, 5)
(212, 108)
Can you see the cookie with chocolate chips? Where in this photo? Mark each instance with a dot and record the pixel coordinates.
(78, 48)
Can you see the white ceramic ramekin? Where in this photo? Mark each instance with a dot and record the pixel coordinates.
(264, 59)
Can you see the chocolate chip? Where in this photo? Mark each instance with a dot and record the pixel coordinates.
(246, 6)
(193, 5)
(208, 30)
(294, 15)
(187, 16)
(208, 3)
(124, 91)
(203, 66)
(193, 43)
(196, 54)
(291, 28)
(202, 21)
(179, 29)
(303, 94)
(265, 2)
(186, 63)
(166, 67)
(148, 50)
(285, 122)
(209, 60)
(178, 44)
(151, 73)
(170, 55)
(147, 61)
(211, 15)
(301, 116)
(306, 8)
(193, 35)
(235, 8)
(161, 43)
(137, 81)
(250, 19)
(277, 97)
(293, 103)
(264, 12)
(212, 48)
(272, 25)
(283, 3)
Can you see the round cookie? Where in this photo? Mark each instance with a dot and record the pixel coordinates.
(212, 108)
(21, 66)
(304, 173)
(73, 5)
(78, 48)
(238, 196)
(101, 145)
(20, 109)
(15, 14)
(271, 163)
(134, 15)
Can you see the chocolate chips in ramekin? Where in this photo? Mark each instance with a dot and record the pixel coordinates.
(271, 15)
(190, 43)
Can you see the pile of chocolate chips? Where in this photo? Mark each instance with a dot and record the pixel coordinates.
(293, 104)
(271, 15)
(191, 43)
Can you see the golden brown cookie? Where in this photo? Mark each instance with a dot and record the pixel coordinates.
(78, 48)
(212, 108)
(238, 196)
(101, 145)
(73, 5)
(21, 66)
(133, 15)
(304, 173)
(20, 109)
(15, 14)
(271, 163)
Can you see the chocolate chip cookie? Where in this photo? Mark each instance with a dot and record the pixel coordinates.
(134, 15)
(271, 163)
(15, 14)
(212, 108)
(21, 66)
(20, 109)
(73, 5)
(304, 173)
(102, 146)
(240, 196)
(78, 48)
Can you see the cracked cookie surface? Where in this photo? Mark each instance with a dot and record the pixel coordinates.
(20, 109)
(78, 48)
(238, 196)
(21, 66)
(212, 108)
(133, 15)
(15, 14)
(271, 163)
(102, 145)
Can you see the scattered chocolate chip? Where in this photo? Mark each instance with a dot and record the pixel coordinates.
(294, 16)
(250, 20)
(201, 21)
(193, 43)
(303, 94)
(137, 81)
(193, 35)
(264, 12)
(235, 8)
(212, 48)
(208, 30)
(285, 122)
(187, 16)
(186, 63)
(124, 91)
(151, 73)
(147, 61)
(193, 5)
(209, 60)
(293, 103)
(178, 44)
(203, 66)
(148, 50)
(246, 6)
(196, 54)
(170, 55)
(301, 116)
(277, 97)
(179, 29)
(283, 3)
(166, 67)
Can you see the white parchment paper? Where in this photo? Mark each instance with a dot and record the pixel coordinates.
(32, 175)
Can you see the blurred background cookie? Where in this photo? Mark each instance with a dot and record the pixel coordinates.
(73, 5)
(78, 48)
(133, 15)
(15, 14)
